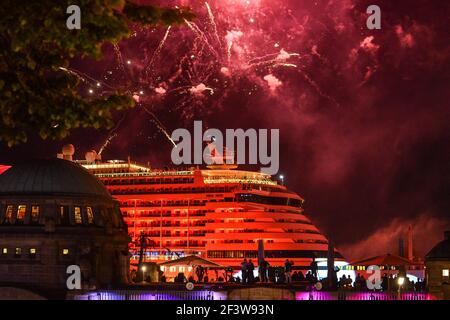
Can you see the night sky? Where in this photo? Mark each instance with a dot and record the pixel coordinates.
(364, 116)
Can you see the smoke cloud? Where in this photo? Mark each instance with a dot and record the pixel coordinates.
(427, 232)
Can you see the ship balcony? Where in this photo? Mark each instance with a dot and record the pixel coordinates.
(165, 216)
(172, 246)
(174, 237)
(254, 235)
(165, 192)
(257, 214)
(168, 227)
(306, 228)
(267, 246)
(212, 204)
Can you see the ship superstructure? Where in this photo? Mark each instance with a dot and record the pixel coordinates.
(219, 213)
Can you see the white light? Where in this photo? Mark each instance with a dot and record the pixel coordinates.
(98, 84)
(281, 177)
(128, 62)
(445, 272)
(141, 92)
(144, 268)
(401, 281)
(252, 20)
(91, 91)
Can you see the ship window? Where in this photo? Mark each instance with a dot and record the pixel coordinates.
(90, 215)
(65, 252)
(5, 251)
(34, 214)
(77, 215)
(21, 210)
(8, 214)
(445, 272)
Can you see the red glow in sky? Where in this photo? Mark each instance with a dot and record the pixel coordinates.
(364, 115)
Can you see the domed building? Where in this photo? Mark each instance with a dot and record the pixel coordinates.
(54, 214)
(437, 263)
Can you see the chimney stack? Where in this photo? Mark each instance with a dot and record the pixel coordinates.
(410, 243)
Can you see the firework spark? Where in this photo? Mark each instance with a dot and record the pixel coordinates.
(207, 58)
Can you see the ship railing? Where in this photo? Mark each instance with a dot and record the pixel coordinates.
(363, 295)
(149, 295)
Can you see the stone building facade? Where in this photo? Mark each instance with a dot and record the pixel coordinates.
(437, 263)
(54, 214)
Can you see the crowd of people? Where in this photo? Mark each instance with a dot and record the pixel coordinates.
(388, 282)
(267, 273)
(286, 275)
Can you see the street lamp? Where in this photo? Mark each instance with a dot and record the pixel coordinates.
(282, 179)
(400, 282)
(143, 268)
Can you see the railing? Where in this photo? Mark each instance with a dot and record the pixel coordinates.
(209, 294)
(361, 295)
(151, 295)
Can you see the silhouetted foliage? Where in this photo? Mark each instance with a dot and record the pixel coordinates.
(37, 94)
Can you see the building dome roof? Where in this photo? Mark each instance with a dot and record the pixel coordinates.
(50, 177)
(441, 251)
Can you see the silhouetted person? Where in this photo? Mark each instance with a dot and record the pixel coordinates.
(314, 268)
(288, 271)
(385, 282)
(263, 266)
(244, 271)
(250, 269)
(200, 271)
(301, 277)
(309, 276)
(180, 278)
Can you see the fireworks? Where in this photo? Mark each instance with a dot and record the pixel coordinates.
(190, 69)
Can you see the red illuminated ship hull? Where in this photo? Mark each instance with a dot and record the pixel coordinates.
(219, 214)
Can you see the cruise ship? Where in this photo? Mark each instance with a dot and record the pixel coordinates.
(220, 213)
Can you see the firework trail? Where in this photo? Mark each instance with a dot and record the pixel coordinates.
(274, 59)
(157, 51)
(192, 69)
(107, 142)
(112, 134)
(213, 23)
(159, 125)
(317, 88)
(201, 35)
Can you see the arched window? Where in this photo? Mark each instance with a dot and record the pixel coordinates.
(34, 214)
(77, 215)
(90, 215)
(64, 215)
(8, 214)
(20, 216)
